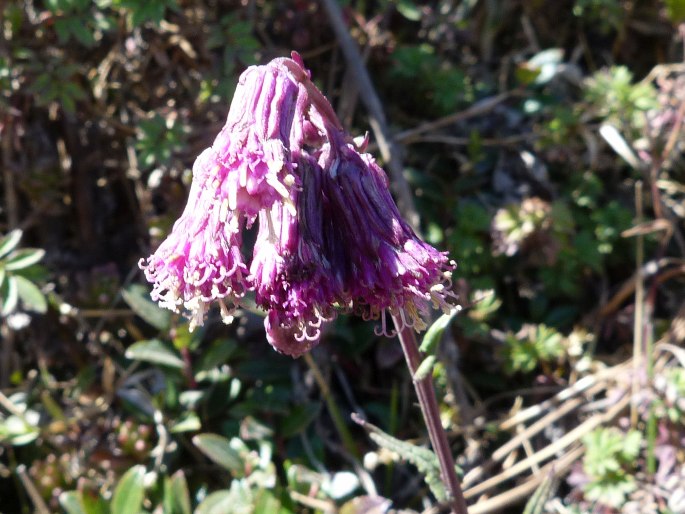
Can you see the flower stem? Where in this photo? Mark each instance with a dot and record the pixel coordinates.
(431, 415)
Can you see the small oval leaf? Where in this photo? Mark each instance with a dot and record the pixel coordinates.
(219, 450)
(24, 258)
(180, 496)
(33, 298)
(71, 502)
(425, 368)
(137, 297)
(188, 422)
(155, 352)
(9, 295)
(9, 242)
(434, 333)
(130, 492)
(219, 502)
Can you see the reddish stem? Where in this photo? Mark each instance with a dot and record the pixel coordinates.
(431, 415)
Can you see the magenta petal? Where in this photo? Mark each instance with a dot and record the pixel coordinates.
(200, 261)
(288, 339)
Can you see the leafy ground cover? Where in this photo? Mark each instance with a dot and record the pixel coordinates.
(543, 145)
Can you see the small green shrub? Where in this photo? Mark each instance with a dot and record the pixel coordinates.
(610, 461)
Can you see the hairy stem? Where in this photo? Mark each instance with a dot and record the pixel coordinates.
(431, 415)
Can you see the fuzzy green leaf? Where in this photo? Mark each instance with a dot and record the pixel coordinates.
(155, 351)
(409, 10)
(29, 293)
(219, 450)
(9, 295)
(187, 422)
(425, 368)
(434, 333)
(24, 258)
(219, 502)
(137, 297)
(71, 502)
(9, 242)
(176, 494)
(423, 458)
(130, 492)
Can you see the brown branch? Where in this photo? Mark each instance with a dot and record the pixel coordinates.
(386, 143)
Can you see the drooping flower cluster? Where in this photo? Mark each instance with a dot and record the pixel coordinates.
(330, 239)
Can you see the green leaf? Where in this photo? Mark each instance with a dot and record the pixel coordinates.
(425, 368)
(10, 242)
(81, 32)
(434, 333)
(423, 458)
(632, 443)
(187, 422)
(219, 450)
(219, 502)
(176, 495)
(10, 295)
(215, 356)
(130, 492)
(20, 431)
(93, 503)
(154, 351)
(137, 297)
(71, 502)
(24, 258)
(267, 501)
(29, 293)
(546, 63)
(408, 9)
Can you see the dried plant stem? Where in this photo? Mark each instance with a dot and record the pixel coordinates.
(431, 415)
(38, 502)
(377, 120)
(639, 304)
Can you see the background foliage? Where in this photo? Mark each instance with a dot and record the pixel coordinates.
(552, 171)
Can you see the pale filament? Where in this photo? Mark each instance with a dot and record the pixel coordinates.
(382, 330)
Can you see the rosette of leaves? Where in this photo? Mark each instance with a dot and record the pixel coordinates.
(19, 271)
(532, 346)
(610, 461)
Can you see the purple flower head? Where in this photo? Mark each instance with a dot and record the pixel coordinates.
(347, 249)
(200, 261)
(247, 170)
(330, 239)
(293, 280)
(255, 141)
(386, 267)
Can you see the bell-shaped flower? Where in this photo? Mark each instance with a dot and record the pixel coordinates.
(387, 267)
(331, 239)
(254, 144)
(291, 275)
(200, 261)
(247, 170)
